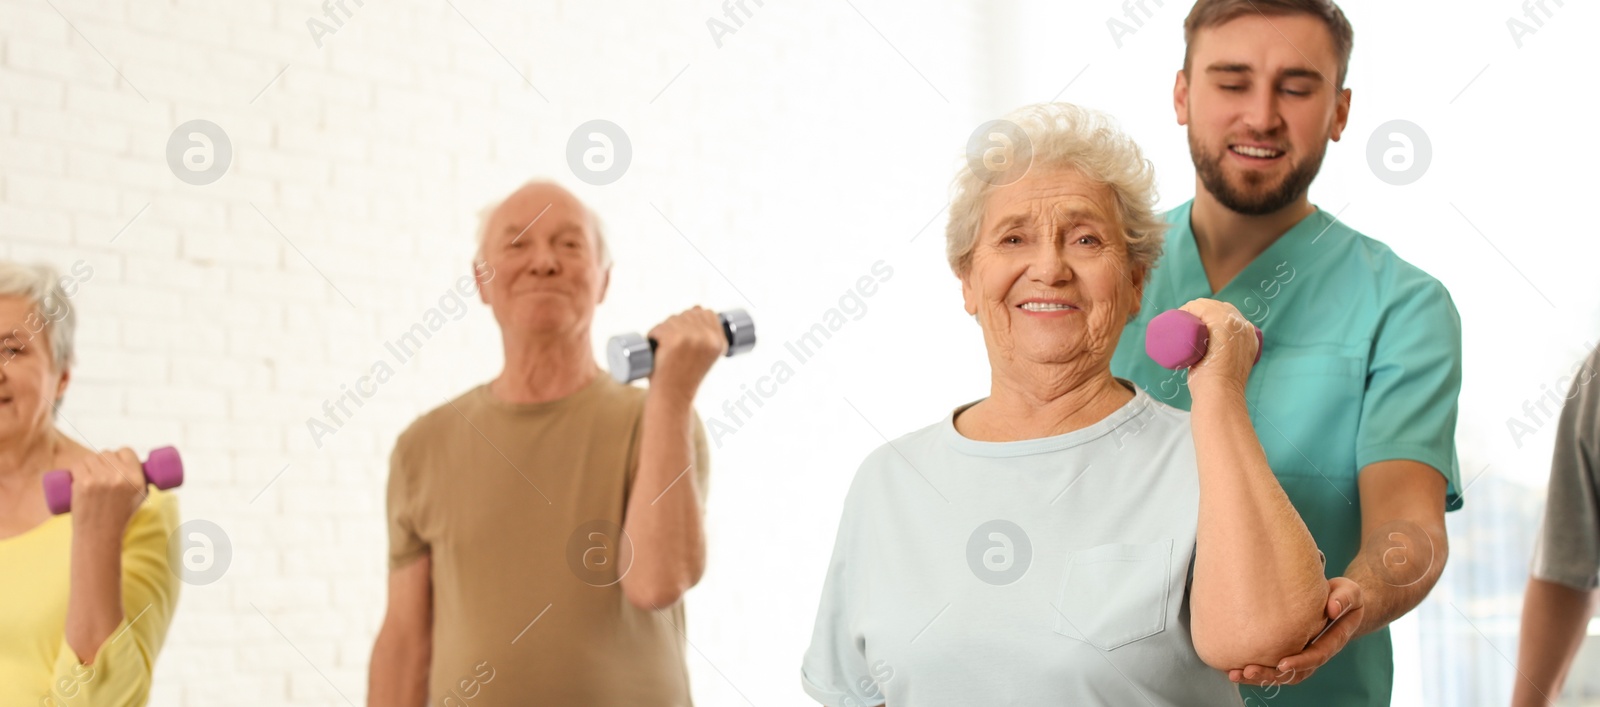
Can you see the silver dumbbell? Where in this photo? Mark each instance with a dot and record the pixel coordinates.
(632, 356)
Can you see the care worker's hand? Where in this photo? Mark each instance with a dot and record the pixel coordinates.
(1346, 612)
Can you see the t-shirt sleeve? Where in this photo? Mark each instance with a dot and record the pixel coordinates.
(1567, 550)
(122, 668)
(1413, 382)
(834, 670)
(405, 545)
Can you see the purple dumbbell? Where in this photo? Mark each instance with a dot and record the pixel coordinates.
(1177, 339)
(163, 468)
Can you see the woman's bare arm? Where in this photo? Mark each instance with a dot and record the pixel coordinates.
(1259, 592)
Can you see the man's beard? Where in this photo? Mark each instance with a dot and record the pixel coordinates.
(1293, 186)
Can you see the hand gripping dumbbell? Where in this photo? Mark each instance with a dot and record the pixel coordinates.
(163, 468)
(632, 356)
(1178, 339)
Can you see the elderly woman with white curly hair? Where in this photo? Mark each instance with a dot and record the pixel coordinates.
(1069, 539)
(86, 596)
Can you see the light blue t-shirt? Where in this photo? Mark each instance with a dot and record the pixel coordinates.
(1051, 571)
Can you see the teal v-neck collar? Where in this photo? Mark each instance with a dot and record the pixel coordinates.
(1293, 247)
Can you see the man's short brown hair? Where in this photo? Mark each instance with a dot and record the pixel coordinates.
(1212, 13)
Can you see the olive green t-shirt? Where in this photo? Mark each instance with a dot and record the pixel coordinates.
(520, 507)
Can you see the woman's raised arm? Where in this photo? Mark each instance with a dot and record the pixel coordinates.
(1259, 592)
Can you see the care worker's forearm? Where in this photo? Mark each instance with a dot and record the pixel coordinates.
(1555, 619)
(1259, 589)
(1388, 594)
(94, 601)
(663, 518)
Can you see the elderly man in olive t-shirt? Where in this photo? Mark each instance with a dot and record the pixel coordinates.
(543, 526)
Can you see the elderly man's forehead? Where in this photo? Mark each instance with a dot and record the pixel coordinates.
(547, 221)
(548, 204)
(539, 197)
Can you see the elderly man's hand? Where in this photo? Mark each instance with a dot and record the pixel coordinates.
(1346, 611)
(1231, 352)
(687, 344)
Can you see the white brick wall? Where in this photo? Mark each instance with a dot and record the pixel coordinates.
(793, 157)
(819, 139)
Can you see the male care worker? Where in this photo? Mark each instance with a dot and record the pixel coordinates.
(1354, 399)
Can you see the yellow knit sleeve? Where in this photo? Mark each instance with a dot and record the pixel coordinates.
(121, 671)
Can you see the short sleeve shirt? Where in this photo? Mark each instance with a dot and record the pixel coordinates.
(1361, 363)
(520, 509)
(1051, 571)
(1568, 548)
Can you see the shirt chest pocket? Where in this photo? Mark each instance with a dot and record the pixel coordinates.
(1112, 595)
(1307, 406)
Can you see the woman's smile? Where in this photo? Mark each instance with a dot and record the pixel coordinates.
(1047, 308)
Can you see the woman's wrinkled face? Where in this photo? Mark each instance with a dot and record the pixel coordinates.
(1050, 278)
(30, 384)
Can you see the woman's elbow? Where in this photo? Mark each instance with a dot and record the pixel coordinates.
(128, 685)
(1240, 651)
(1262, 639)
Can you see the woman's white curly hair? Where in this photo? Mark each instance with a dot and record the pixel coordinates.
(1066, 136)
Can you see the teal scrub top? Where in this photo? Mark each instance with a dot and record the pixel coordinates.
(1361, 363)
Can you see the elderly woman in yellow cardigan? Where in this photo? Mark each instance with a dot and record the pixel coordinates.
(86, 596)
